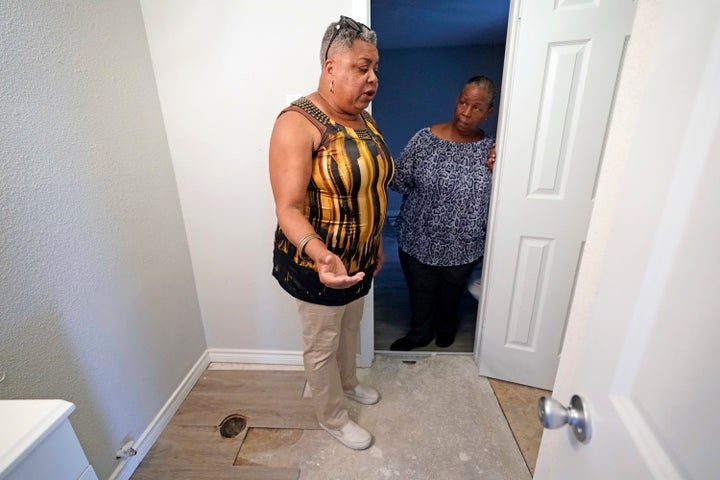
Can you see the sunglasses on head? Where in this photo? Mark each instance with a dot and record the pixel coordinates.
(345, 22)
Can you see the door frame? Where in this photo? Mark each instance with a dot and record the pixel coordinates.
(361, 11)
(507, 80)
(366, 342)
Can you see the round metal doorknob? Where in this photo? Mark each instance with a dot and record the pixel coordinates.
(553, 414)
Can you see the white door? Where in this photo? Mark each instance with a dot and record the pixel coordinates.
(641, 345)
(561, 71)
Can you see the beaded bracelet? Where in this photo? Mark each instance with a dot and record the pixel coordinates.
(303, 242)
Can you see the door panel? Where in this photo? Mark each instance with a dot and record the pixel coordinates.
(640, 345)
(560, 78)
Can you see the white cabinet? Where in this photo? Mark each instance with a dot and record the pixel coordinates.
(37, 442)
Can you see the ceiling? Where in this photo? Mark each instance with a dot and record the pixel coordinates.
(439, 23)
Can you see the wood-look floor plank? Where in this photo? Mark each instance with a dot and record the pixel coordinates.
(270, 399)
(215, 472)
(285, 381)
(211, 409)
(192, 445)
(193, 452)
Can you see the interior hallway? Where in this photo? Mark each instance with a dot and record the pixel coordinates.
(437, 419)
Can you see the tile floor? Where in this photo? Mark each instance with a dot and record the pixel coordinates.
(280, 439)
(519, 406)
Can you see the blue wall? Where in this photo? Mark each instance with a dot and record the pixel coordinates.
(419, 86)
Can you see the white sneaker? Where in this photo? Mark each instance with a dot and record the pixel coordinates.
(351, 435)
(363, 394)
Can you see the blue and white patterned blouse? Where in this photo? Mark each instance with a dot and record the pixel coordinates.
(446, 193)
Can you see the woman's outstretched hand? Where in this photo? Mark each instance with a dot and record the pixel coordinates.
(333, 273)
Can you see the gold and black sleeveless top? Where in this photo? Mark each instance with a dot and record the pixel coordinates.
(346, 203)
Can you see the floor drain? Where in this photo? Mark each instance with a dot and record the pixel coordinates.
(232, 425)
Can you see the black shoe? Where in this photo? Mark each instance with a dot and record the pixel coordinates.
(444, 339)
(405, 344)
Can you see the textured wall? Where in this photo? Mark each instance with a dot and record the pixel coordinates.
(97, 297)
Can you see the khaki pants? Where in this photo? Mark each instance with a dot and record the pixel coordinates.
(330, 335)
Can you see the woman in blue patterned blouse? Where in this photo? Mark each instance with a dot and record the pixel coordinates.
(444, 174)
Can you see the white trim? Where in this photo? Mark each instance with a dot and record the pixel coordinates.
(266, 357)
(420, 354)
(127, 467)
(366, 345)
(366, 342)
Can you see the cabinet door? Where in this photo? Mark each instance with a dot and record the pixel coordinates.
(58, 456)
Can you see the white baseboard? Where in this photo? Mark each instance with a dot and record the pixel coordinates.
(126, 468)
(265, 357)
(268, 357)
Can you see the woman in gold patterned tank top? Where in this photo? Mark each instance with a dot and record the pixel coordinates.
(329, 170)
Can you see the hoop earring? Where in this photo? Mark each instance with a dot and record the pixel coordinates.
(332, 88)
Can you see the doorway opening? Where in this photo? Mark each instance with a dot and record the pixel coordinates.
(422, 70)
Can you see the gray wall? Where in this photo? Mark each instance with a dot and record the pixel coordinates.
(97, 297)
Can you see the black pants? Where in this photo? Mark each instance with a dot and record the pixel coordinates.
(435, 293)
